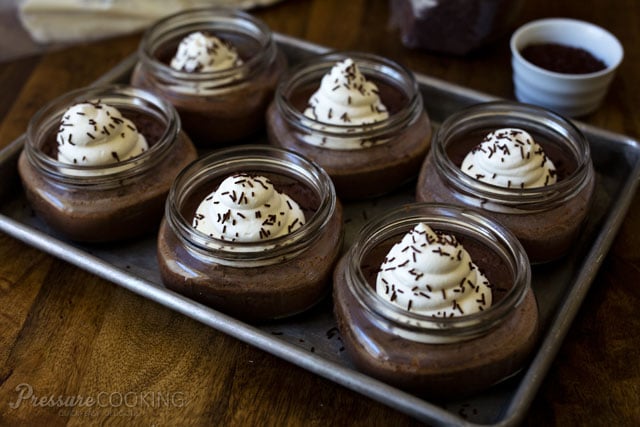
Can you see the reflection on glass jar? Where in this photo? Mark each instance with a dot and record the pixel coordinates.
(219, 105)
(547, 218)
(98, 162)
(205, 246)
(404, 320)
(357, 115)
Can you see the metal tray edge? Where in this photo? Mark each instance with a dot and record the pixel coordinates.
(563, 319)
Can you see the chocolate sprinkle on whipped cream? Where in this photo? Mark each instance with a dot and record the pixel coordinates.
(345, 96)
(430, 273)
(346, 99)
(95, 134)
(247, 208)
(510, 158)
(200, 52)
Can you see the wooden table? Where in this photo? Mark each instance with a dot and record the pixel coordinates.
(67, 333)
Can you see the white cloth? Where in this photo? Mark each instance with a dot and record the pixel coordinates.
(63, 21)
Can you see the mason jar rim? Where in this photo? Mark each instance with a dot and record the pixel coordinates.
(210, 18)
(315, 68)
(464, 221)
(493, 115)
(120, 96)
(224, 162)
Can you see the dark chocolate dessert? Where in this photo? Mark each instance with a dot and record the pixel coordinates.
(220, 77)
(112, 202)
(370, 142)
(452, 367)
(264, 280)
(546, 232)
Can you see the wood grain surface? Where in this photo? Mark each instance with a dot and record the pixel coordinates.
(64, 332)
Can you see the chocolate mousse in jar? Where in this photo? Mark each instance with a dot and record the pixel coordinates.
(98, 162)
(436, 300)
(359, 116)
(253, 231)
(218, 67)
(528, 168)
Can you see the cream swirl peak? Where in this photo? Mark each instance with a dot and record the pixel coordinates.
(510, 158)
(201, 53)
(431, 274)
(247, 208)
(346, 97)
(96, 134)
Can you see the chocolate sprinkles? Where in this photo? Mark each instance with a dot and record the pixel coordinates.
(409, 259)
(232, 207)
(502, 142)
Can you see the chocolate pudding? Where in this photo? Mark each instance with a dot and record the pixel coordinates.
(546, 218)
(562, 59)
(388, 152)
(450, 368)
(216, 107)
(546, 234)
(113, 205)
(273, 278)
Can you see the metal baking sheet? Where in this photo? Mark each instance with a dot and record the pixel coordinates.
(311, 340)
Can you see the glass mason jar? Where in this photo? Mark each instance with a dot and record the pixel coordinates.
(435, 356)
(389, 152)
(216, 107)
(112, 202)
(547, 219)
(261, 280)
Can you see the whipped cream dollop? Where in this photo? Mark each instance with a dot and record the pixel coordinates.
(431, 274)
(346, 98)
(201, 52)
(510, 158)
(96, 134)
(247, 208)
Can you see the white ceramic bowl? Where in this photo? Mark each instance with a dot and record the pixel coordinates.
(568, 94)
